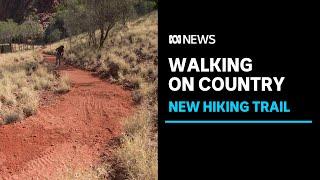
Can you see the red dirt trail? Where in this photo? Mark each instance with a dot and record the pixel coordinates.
(69, 135)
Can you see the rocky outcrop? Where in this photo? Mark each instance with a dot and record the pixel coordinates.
(18, 10)
(15, 9)
(46, 6)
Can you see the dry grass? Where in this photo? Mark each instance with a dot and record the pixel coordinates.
(64, 85)
(22, 77)
(137, 155)
(136, 46)
(96, 174)
(129, 59)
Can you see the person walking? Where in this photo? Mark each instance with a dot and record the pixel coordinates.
(59, 55)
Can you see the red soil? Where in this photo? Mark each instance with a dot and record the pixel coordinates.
(69, 135)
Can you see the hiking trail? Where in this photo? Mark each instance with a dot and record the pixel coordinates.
(69, 134)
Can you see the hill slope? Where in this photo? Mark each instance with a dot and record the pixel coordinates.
(130, 59)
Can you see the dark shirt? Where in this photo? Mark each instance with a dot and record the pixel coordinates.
(60, 50)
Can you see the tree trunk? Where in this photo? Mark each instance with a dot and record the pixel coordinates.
(104, 35)
(89, 39)
(10, 47)
(101, 38)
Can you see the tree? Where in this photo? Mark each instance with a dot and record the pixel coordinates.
(107, 13)
(27, 32)
(73, 14)
(54, 36)
(30, 30)
(8, 31)
(146, 6)
(90, 15)
(56, 24)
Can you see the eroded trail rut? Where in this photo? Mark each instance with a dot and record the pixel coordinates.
(67, 136)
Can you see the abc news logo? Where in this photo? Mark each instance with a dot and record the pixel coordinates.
(192, 39)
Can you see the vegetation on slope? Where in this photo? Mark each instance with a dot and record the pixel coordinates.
(36, 22)
(129, 59)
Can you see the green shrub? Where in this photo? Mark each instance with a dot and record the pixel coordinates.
(54, 36)
(145, 7)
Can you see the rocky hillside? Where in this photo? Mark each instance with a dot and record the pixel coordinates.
(18, 10)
